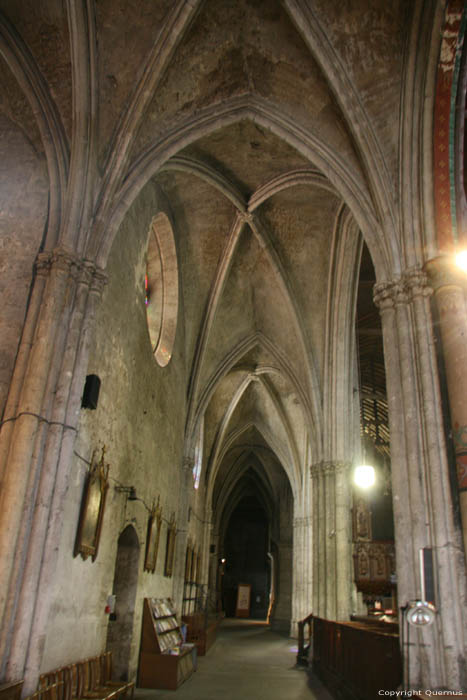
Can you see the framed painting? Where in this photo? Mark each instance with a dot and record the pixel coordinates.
(193, 566)
(92, 508)
(243, 600)
(198, 568)
(152, 539)
(170, 549)
(188, 563)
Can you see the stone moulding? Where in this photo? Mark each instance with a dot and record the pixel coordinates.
(328, 468)
(83, 270)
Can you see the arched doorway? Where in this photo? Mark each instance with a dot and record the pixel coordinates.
(120, 629)
(253, 514)
(246, 553)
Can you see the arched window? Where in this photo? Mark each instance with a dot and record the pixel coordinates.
(161, 289)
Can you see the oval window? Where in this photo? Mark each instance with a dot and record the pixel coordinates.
(161, 289)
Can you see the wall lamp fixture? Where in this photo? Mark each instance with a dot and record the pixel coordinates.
(129, 490)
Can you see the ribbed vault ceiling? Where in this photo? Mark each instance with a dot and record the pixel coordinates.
(258, 219)
(261, 123)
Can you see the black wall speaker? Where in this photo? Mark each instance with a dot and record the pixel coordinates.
(428, 583)
(91, 391)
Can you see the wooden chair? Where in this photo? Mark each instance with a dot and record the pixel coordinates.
(106, 676)
(98, 687)
(49, 692)
(61, 676)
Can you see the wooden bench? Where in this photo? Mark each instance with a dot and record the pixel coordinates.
(89, 678)
(11, 691)
(356, 660)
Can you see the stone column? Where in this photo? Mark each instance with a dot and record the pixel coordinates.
(204, 576)
(423, 508)
(332, 540)
(281, 617)
(36, 444)
(302, 581)
(449, 286)
(207, 539)
(186, 483)
(302, 601)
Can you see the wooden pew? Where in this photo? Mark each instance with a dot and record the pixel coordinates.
(356, 659)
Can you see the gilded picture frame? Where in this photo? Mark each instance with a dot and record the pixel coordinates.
(153, 537)
(170, 549)
(198, 567)
(188, 563)
(193, 566)
(92, 508)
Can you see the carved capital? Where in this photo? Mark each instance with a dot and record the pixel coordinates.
(65, 261)
(42, 264)
(60, 261)
(98, 281)
(412, 284)
(385, 295)
(416, 283)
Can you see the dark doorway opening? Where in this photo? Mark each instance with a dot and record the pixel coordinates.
(120, 629)
(246, 555)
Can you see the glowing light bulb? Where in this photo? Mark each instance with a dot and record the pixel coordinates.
(364, 476)
(461, 260)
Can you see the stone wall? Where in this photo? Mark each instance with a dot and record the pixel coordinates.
(140, 419)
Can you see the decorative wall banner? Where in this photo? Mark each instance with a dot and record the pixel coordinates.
(153, 537)
(92, 508)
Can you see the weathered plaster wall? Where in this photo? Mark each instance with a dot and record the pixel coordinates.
(129, 29)
(369, 41)
(140, 418)
(23, 212)
(43, 26)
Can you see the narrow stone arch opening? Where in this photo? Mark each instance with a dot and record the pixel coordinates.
(120, 629)
(253, 512)
(373, 518)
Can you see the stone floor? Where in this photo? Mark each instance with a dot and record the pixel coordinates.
(247, 662)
